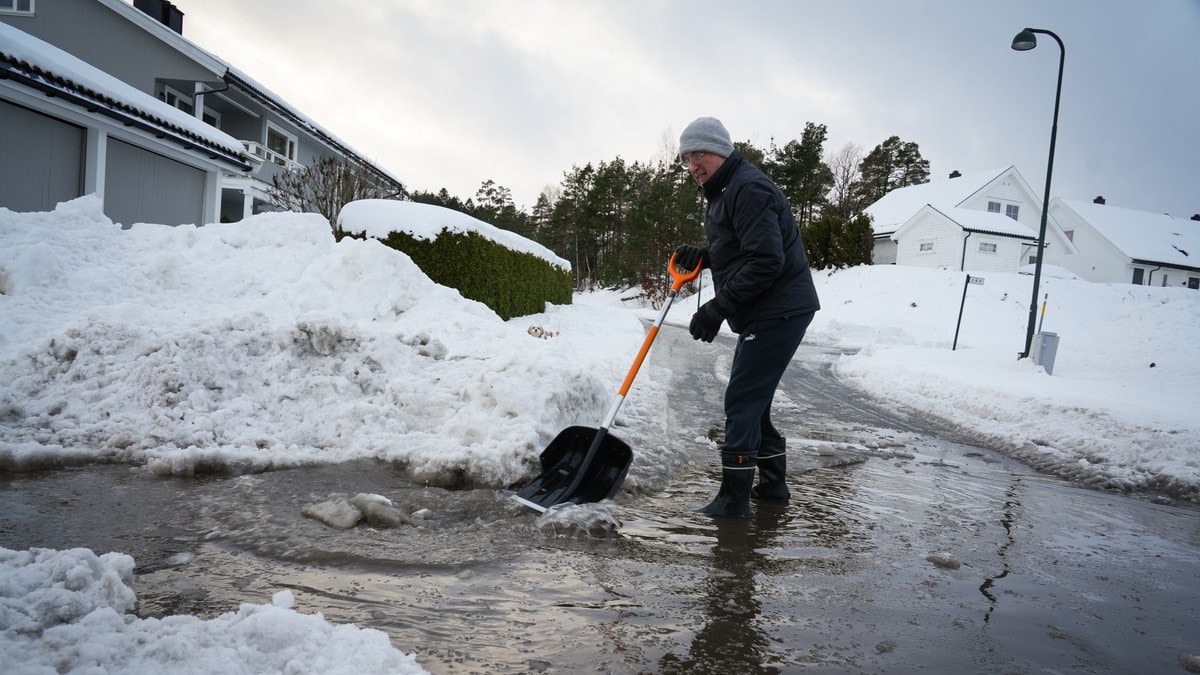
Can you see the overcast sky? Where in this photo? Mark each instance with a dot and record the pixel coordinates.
(450, 93)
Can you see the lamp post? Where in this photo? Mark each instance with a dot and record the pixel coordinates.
(1024, 41)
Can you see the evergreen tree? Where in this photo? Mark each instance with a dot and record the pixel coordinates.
(494, 205)
(441, 198)
(892, 164)
(751, 153)
(799, 170)
(833, 241)
(572, 224)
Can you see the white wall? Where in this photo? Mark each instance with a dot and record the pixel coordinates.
(931, 228)
(1097, 260)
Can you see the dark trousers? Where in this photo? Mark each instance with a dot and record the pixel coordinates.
(764, 350)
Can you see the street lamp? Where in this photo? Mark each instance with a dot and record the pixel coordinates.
(1023, 42)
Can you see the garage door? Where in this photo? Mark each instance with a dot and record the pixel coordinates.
(41, 159)
(143, 187)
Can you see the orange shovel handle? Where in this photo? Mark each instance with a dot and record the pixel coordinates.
(680, 278)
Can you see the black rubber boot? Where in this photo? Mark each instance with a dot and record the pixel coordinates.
(733, 498)
(772, 474)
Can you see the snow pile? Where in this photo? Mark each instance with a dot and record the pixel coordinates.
(66, 611)
(263, 344)
(1118, 411)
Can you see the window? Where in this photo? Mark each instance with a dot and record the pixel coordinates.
(1012, 210)
(280, 146)
(1139, 276)
(927, 247)
(16, 6)
(174, 99)
(1070, 234)
(1193, 283)
(993, 207)
(987, 247)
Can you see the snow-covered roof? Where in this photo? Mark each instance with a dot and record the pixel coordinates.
(27, 59)
(1141, 235)
(897, 206)
(989, 223)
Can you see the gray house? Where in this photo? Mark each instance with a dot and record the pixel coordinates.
(104, 97)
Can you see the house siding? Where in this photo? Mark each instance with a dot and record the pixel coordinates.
(99, 36)
(884, 252)
(1007, 190)
(946, 240)
(1098, 260)
(1008, 249)
(116, 38)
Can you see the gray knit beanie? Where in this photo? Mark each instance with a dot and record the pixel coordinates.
(707, 134)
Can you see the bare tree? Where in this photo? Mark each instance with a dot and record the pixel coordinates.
(326, 186)
(844, 163)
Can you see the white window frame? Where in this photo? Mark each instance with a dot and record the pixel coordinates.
(987, 247)
(925, 247)
(15, 7)
(276, 157)
(993, 207)
(175, 98)
(1012, 211)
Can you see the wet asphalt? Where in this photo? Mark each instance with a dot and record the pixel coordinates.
(907, 547)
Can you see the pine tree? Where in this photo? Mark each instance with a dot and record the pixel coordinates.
(799, 170)
(892, 164)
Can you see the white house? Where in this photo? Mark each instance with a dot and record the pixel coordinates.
(108, 98)
(1126, 246)
(979, 222)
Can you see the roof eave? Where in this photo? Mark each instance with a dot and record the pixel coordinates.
(97, 103)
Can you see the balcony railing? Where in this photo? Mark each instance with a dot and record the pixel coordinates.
(262, 153)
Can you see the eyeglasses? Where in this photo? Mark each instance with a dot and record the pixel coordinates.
(691, 158)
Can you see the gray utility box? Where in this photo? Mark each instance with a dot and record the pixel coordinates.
(1045, 347)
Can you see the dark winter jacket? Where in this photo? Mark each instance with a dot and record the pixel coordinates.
(755, 252)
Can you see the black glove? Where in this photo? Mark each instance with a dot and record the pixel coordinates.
(706, 322)
(688, 257)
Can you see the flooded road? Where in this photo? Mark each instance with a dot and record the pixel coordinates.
(905, 548)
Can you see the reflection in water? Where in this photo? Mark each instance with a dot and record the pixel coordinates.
(732, 639)
(1009, 517)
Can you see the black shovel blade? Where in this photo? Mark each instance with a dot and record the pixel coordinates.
(565, 460)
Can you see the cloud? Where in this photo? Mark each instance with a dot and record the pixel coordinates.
(452, 93)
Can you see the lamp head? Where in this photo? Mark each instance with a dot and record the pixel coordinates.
(1024, 41)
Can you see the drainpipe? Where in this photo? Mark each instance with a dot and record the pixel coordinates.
(963, 265)
(1150, 276)
(198, 92)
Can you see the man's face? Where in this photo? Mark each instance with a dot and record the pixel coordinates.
(701, 164)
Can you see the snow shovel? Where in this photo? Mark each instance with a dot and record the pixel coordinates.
(583, 464)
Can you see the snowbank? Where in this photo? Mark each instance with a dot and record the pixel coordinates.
(69, 611)
(263, 344)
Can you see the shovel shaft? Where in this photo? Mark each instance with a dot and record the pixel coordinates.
(650, 335)
(678, 280)
(562, 479)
